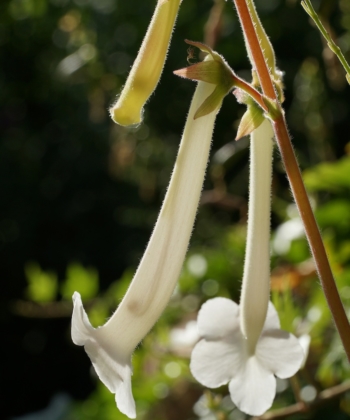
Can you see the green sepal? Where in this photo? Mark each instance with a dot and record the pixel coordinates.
(212, 102)
(206, 71)
(205, 48)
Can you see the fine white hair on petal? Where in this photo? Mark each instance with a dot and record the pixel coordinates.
(280, 352)
(213, 363)
(253, 388)
(217, 318)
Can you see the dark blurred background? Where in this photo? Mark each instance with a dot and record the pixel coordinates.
(79, 195)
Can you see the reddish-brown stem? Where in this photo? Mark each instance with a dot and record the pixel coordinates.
(296, 182)
(312, 233)
(255, 49)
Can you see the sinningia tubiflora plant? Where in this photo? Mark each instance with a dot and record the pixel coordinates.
(241, 345)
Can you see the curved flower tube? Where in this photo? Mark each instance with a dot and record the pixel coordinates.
(148, 66)
(244, 346)
(110, 347)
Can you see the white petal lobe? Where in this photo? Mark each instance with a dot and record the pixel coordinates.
(218, 317)
(272, 321)
(253, 388)
(280, 352)
(112, 366)
(213, 363)
(81, 327)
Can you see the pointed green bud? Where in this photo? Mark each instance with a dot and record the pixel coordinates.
(251, 120)
(214, 70)
(147, 68)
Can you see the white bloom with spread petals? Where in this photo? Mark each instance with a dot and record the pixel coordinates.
(244, 345)
(222, 356)
(110, 347)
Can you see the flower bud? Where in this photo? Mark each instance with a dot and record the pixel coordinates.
(147, 68)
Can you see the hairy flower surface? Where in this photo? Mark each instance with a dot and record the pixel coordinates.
(110, 346)
(223, 355)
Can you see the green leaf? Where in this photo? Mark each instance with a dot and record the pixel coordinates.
(42, 285)
(336, 214)
(82, 280)
(332, 176)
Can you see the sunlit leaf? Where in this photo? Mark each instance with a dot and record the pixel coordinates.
(42, 285)
(82, 280)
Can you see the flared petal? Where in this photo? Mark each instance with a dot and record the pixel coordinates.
(213, 363)
(253, 388)
(112, 366)
(272, 321)
(218, 318)
(123, 395)
(81, 328)
(280, 352)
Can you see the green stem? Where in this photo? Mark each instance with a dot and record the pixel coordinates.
(296, 182)
(309, 9)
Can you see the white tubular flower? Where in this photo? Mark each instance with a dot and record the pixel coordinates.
(110, 347)
(244, 346)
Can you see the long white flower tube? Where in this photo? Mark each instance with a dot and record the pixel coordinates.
(244, 345)
(255, 292)
(110, 347)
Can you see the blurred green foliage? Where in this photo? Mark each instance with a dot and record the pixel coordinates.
(79, 278)
(42, 286)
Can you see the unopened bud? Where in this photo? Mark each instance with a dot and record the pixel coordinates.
(147, 68)
(251, 120)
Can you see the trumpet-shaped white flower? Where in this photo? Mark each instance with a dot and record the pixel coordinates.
(223, 356)
(110, 346)
(244, 346)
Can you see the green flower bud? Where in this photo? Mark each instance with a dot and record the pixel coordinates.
(251, 120)
(147, 68)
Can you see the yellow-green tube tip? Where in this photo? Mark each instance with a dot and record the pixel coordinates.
(122, 115)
